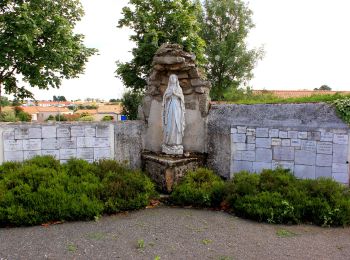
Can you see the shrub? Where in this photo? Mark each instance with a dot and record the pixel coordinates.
(8, 116)
(107, 118)
(200, 188)
(343, 108)
(86, 118)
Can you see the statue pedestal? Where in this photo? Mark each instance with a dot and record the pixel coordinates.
(167, 170)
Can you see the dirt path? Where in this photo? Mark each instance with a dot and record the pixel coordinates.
(172, 233)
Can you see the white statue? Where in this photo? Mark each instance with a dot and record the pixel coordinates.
(173, 118)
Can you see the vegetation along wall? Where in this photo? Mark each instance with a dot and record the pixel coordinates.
(308, 139)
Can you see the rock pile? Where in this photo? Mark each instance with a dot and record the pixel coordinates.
(172, 59)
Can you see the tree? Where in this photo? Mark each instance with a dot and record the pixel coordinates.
(131, 101)
(156, 22)
(324, 87)
(225, 26)
(59, 98)
(4, 101)
(38, 45)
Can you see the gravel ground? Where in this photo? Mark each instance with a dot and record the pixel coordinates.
(174, 233)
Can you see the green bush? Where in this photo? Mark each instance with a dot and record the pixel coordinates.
(343, 108)
(8, 116)
(40, 190)
(201, 188)
(276, 196)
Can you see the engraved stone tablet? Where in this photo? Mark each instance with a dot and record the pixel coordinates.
(239, 138)
(302, 135)
(54, 153)
(32, 144)
(293, 134)
(262, 132)
(276, 142)
(308, 145)
(283, 153)
(9, 134)
(84, 142)
(251, 132)
(66, 154)
(102, 131)
(68, 143)
(340, 153)
(241, 129)
(251, 139)
(13, 156)
(325, 147)
(90, 131)
(285, 142)
(283, 134)
(340, 139)
(324, 160)
(338, 167)
(305, 157)
(77, 131)
(50, 144)
(63, 131)
(315, 136)
(85, 153)
(295, 143)
(326, 137)
(21, 133)
(274, 133)
(34, 133)
(13, 145)
(284, 165)
(30, 154)
(48, 132)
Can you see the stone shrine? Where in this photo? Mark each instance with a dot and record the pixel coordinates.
(171, 62)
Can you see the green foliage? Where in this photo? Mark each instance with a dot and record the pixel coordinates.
(225, 27)
(107, 118)
(324, 87)
(154, 23)
(200, 188)
(343, 108)
(276, 196)
(86, 118)
(41, 190)
(4, 101)
(8, 116)
(60, 117)
(131, 101)
(38, 44)
(59, 98)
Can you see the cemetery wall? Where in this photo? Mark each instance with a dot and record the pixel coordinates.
(309, 139)
(88, 141)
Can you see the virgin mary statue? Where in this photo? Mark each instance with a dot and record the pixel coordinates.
(173, 118)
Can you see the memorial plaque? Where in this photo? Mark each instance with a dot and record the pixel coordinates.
(293, 134)
(13, 145)
(90, 131)
(32, 145)
(283, 153)
(308, 145)
(325, 147)
(34, 133)
(237, 155)
(50, 144)
(274, 133)
(262, 132)
(285, 142)
(305, 171)
(84, 142)
(241, 129)
(324, 160)
(66, 154)
(63, 132)
(295, 143)
(85, 153)
(315, 136)
(16, 156)
(248, 156)
(251, 132)
(234, 131)
(283, 165)
(21, 133)
(239, 138)
(48, 132)
(283, 134)
(102, 131)
(325, 172)
(341, 177)
(327, 137)
(8, 134)
(238, 166)
(263, 142)
(102, 143)
(340, 139)
(102, 153)
(276, 142)
(30, 154)
(54, 153)
(258, 167)
(251, 139)
(67, 143)
(305, 157)
(302, 135)
(77, 131)
(340, 153)
(263, 155)
(338, 167)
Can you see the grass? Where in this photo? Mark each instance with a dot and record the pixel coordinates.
(140, 244)
(71, 247)
(207, 241)
(285, 233)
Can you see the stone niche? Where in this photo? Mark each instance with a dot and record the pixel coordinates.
(172, 59)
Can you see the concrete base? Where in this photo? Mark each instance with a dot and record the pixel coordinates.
(166, 170)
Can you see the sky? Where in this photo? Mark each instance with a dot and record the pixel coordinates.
(306, 43)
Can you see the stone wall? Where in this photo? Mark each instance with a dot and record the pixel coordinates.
(171, 59)
(309, 139)
(88, 141)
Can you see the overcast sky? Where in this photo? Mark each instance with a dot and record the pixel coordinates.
(307, 44)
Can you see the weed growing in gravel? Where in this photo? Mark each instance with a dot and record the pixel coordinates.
(96, 236)
(285, 233)
(72, 248)
(207, 241)
(140, 244)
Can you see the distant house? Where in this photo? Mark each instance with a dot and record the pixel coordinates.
(54, 103)
(298, 93)
(41, 114)
(104, 110)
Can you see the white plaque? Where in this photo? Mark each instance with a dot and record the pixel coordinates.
(84, 142)
(13, 145)
(66, 154)
(85, 153)
(102, 131)
(53, 153)
(48, 131)
(340, 139)
(32, 144)
(102, 143)
(308, 145)
(68, 143)
(63, 132)
(274, 133)
(21, 133)
(34, 133)
(90, 131)
(50, 144)
(9, 134)
(30, 154)
(325, 147)
(77, 131)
